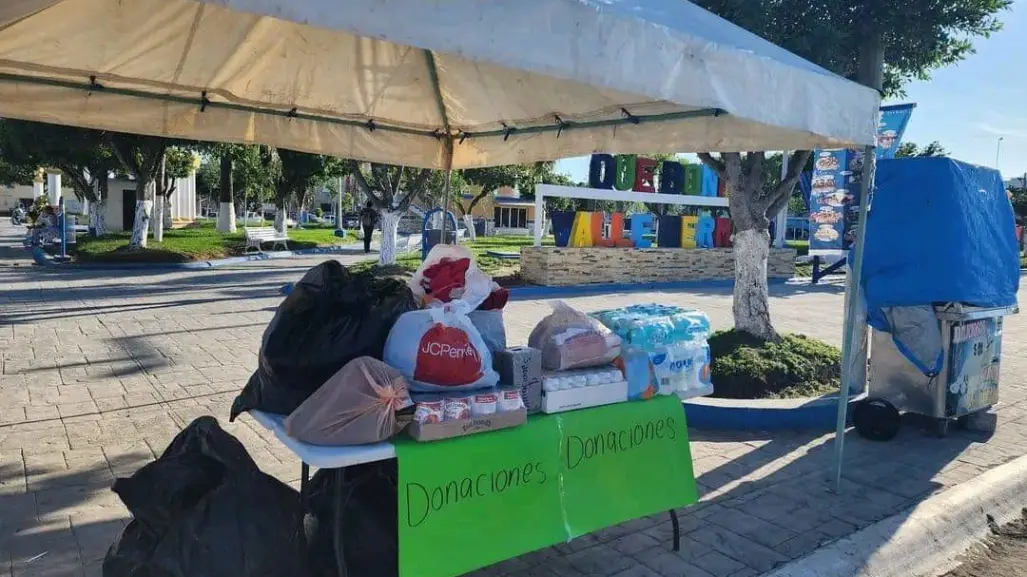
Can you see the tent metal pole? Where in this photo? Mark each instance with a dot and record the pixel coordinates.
(433, 72)
(853, 326)
(445, 194)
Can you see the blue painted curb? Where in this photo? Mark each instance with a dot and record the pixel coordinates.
(539, 292)
(197, 265)
(740, 414)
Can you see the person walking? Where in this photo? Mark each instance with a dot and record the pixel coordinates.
(368, 220)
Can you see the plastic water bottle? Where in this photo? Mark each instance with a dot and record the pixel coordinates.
(637, 374)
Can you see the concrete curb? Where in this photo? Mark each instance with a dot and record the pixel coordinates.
(926, 540)
(533, 292)
(765, 414)
(43, 260)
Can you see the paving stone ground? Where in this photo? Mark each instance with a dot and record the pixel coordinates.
(99, 370)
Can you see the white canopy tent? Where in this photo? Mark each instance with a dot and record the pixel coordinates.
(406, 81)
(426, 83)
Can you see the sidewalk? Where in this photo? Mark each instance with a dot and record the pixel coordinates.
(98, 372)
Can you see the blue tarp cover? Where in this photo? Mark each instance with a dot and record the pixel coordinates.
(939, 230)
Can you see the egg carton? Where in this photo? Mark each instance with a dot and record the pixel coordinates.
(580, 378)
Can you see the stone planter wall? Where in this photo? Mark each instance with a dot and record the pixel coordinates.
(551, 266)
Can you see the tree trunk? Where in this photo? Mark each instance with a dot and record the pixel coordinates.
(160, 203)
(144, 205)
(390, 226)
(158, 220)
(751, 306)
(169, 218)
(98, 209)
(97, 223)
(469, 223)
(226, 209)
(280, 215)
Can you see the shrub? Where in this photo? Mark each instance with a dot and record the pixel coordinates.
(745, 367)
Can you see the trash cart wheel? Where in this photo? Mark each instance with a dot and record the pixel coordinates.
(876, 420)
(941, 428)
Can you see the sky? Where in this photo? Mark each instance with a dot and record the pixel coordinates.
(966, 107)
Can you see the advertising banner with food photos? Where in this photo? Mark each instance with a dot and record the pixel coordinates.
(835, 186)
(890, 128)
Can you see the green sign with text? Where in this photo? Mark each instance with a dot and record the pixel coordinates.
(469, 502)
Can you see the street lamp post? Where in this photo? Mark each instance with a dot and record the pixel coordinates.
(998, 150)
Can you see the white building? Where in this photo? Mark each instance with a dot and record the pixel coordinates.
(120, 207)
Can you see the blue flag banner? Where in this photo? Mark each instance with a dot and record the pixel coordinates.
(836, 181)
(890, 128)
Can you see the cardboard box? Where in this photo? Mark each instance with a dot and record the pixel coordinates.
(531, 394)
(584, 397)
(521, 367)
(464, 427)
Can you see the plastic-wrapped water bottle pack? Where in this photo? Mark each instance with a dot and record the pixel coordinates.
(665, 350)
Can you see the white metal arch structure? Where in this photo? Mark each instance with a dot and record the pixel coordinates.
(428, 83)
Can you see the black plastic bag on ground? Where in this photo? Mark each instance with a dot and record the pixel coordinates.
(204, 509)
(195, 463)
(369, 521)
(130, 552)
(250, 526)
(331, 317)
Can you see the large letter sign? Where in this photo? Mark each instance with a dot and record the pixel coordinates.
(625, 172)
(602, 170)
(630, 173)
(689, 223)
(672, 177)
(641, 225)
(581, 232)
(645, 175)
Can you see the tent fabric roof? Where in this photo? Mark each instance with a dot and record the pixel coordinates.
(518, 81)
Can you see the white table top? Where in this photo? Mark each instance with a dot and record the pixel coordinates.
(324, 456)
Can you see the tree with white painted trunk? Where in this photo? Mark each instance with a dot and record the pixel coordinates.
(752, 205)
(390, 189)
(916, 37)
(141, 157)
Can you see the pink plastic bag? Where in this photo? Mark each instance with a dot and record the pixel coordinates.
(570, 339)
(356, 406)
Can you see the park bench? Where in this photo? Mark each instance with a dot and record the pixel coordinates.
(257, 236)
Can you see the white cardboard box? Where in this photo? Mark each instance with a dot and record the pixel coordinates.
(584, 397)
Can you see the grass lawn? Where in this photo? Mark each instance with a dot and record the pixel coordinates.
(801, 246)
(196, 242)
(503, 271)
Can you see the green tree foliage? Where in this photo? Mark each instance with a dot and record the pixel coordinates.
(388, 187)
(301, 172)
(491, 179)
(82, 155)
(910, 149)
(178, 163)
(919, 35)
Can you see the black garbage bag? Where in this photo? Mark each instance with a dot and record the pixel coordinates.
(331, 317)
(130, 552)
(369, 521)
(195, 463)
(204, 509)
(250, 526)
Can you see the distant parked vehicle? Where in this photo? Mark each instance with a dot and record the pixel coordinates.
(351, 220)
